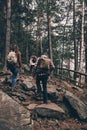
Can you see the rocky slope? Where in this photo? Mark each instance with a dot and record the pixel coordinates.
(66, 108)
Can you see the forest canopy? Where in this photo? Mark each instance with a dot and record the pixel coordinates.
(55, 27)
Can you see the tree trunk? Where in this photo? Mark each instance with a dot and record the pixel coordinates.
(38, 36)
(74, 38)
(82, 63)
(86, 39)
(7, 45)
(49, 31)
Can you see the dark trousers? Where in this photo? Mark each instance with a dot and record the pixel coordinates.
(42, 79)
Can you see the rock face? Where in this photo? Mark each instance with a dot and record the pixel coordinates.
(50, 110)
(13, 116)
(27, 111)
(78, 106)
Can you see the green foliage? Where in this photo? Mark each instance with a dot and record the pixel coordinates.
(24, 27)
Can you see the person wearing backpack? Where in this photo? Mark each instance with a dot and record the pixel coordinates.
(17, 66)
(11, 61)
(14, 67)
(43, 69)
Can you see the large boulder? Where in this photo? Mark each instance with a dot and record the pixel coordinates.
(50, 110)
(77, 107)
(13, 115)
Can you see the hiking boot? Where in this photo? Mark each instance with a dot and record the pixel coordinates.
(38, 95)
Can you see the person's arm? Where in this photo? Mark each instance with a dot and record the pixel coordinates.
(52, 64)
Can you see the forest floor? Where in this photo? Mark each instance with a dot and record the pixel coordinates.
(44, 123)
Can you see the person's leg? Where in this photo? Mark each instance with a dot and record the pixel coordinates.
(44, 82)
(14, 77)
(38, 84)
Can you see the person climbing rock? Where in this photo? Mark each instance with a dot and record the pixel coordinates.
(44, 68)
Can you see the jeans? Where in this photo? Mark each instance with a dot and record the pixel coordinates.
(14, 77)
(42, 79)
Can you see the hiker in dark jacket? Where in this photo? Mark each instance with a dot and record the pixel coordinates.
(42, 73)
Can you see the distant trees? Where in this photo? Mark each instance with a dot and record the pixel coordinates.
(79, 24)
(2, 29)
(57, 28)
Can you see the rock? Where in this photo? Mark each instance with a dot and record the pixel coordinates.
(13, 115)
(56, 94)
(52, 93)
(26, 67)
(26, 103)
(4, 73)
(27, 84)
(31, 106)
(77, 106)
(50, 110)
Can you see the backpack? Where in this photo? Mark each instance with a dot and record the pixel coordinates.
(11, 61)
(11, 57)
(43, 66)
(43, 63)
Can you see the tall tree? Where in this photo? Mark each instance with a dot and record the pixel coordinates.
(74, 38)
(7, 45)
(82, 62)
(86, 38)
(49, 29)
(38, 35)
(2, 29)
